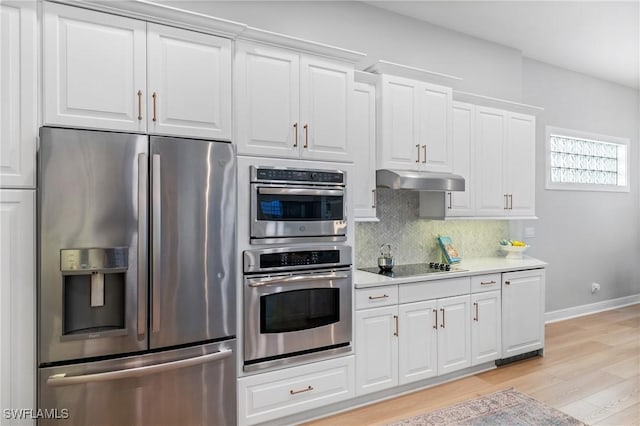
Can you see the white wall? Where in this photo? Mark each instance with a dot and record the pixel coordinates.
(487, 68)
(585, 236)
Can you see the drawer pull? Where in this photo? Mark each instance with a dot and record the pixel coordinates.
(384, 296)
(307, 389)
(487, 282)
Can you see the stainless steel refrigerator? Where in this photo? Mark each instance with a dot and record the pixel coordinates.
(136, 281)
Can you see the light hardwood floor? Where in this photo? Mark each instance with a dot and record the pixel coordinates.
(591, 370)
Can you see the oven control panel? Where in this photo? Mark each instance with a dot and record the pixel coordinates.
(297, 175)
(297, 258)
(281, 259)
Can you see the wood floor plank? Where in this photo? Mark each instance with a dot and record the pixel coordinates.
(591, 370)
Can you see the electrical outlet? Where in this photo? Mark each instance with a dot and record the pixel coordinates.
(529, 232)
(595, 287)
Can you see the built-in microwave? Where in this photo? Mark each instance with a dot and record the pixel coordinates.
(295, 205)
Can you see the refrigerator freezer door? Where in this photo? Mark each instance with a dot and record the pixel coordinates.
(192, 210)
(92, 193)
(192, 386)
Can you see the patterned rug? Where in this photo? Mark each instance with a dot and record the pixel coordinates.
(507, 407)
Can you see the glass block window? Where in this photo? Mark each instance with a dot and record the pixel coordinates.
(581, 161)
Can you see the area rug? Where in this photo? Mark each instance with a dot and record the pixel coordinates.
(507, 407)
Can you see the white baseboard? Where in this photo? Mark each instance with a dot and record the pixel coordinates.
(591, 308)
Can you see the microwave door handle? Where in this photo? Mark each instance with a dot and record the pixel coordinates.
(64, 380)
(261, 282)
(299, 191)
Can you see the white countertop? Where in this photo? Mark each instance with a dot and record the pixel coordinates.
(474, 266)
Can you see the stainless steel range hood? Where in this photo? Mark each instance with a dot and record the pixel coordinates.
(419, 181)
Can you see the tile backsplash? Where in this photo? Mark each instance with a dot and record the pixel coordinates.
(413, 239)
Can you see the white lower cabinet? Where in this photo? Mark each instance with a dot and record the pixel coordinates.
(407, 342)
(17, 305)
(486, 326)
(522, 312)
(276, 394)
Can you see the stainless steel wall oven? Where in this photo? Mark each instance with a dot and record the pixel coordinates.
(297, 304)
(293, 205)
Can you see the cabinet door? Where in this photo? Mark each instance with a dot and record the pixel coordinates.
(398, 147)
(17, 300)
(486, 326)
(522, 312)
(94, 69)
(435, 127)
(490, 133)
(267, 100)
(460, 203)
(417, 330)
(520, 162)
(189, 83)
(18, 98)
(376, 349)
(454, 334)
(363, 179)
(326, 91)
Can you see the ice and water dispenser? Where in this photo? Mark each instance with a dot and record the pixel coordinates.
(94, 290)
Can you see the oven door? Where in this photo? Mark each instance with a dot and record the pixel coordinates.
(295, 317)
(281, 213)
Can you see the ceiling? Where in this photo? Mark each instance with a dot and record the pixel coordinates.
(598, 38)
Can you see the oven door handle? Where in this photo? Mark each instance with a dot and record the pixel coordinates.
(299, 191)
(261, 282)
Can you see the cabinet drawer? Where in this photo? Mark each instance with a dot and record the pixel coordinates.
(289, 391)
(435, 289)
(488, 282)
(375, 297)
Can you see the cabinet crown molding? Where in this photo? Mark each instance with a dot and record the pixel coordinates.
(386, 67)
(490, 102)
(282, 40)
(151, 11)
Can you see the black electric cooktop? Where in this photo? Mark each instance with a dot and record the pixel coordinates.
(415, 269)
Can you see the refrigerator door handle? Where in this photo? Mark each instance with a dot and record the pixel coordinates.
(142, 243)
(156, 242)
(64, 380)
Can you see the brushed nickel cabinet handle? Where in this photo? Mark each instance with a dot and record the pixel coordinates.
(306, 136)
(139, 104)
(487, 282)
(442, 310)
(510, 201)
(435, 324)
(295, 135)
(418, 157)
(384, 296)
(395, 317)
(450, 200)
(154, 96)
(506, 201)
(424, 152)
(373, 194)
(475, 318)
(307, 389)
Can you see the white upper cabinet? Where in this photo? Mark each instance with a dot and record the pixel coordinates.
(18, 96)
(520, 162)
(189, 83)
(461, 203)
(291, 104)
(363, 179)
(414, 125)
(94, 69)
(504, 173)
(108, 72)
